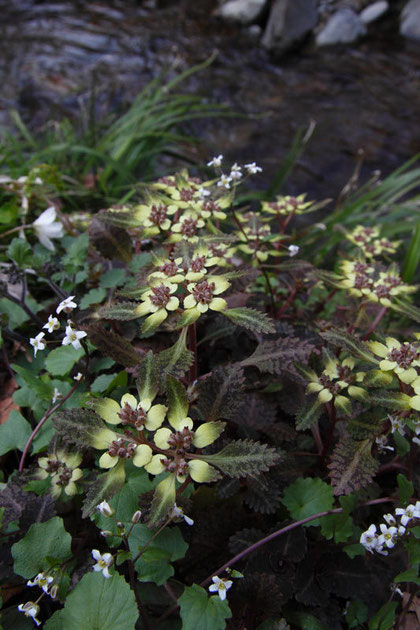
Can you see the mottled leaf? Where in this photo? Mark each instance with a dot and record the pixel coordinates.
(355, 347)
(113, 345)
(221, 395)
(309, 413)
(121, 311)
(242, 458)
(251, 319)
(104, 488)
(110, 241)
(148, 377)
(278, 356)
(352, 466)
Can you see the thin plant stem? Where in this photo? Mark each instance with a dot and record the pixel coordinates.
(151, 539)
(375, 322)
(41, 423)
(15, 229)
(269, 538)
(133, 584)
(192, 342)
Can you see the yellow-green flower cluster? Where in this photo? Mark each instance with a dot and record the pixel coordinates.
(365, 280)
(62, 468)
(369, 241)
(400, 358)
(288, 205)
(256, 238)
(336, 379)
(167, 450)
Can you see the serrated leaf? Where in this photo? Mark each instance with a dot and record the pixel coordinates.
(113, 345)
(243, 458)
(148, 377)
(177, 400)
(221, 395)
(112, 278)
(163, 500)
(104, 488)
(120, 217)
(309, 414)
(305, 497)
(352, 466)
(263, 494)
(60, 361)
(355, 347)
(97, 603)
(94, 296)
(20, 252)
(122, 311)
(329, 278)
(251, 319)
(14, 433)
(377, 378)
(42, 544)
(391, 400)
(43, 390)
(78, 426)
(411, 311)
(277, 357)
(111, 241)
(201, 612)
(175, 360)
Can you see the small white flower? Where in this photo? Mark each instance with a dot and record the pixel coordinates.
(203, 192)
(66, 305)
(136, 517)
(37, 342)
(397, 424)
(178, 513)
(253, 169)
(293, 250)
(78, 376)
(103, 562)
(221, 586)
(56, 395)
(381, 441)
(30, 610)
(72, 337)
(46, 227)
(390, 519)
(369, 539)
(216, 161)
(235, 172)
(388, 535)
(52, 324)
(105, 509)
(320, 226)
(225, 181)
(43, 580)
(406, 514)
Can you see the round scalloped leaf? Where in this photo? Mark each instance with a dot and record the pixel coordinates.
(305, 497)
(201, 612)
(98, 603)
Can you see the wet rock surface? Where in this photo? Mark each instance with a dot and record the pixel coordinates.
(366, 97)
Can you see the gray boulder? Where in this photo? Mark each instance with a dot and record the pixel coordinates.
(410, 20)
(289, 22)
(374, 11)
(343, 27)
(242, 11)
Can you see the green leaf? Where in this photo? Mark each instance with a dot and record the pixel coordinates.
(305, 497)
(94, 296)
(98, 603)
(201, 612)
(20, 252)
(411, 311)
(80, 427)
(355, 347)
(175, 360)
(384, 618)
(411, 575)
(305, 621)
(122, 311)
(60, 361)
(391, 400)
(352, 466)
(104, 488)
(377, 378)
(405, 489)
(14, 433)
(112, 278)
(102, 382)
(242, 458)
(251, 319)
(356, 614)
(154, 564)
(113, 345)
(163, 500)
(309, 413)
(148, 378)
(403, 445)
(412, 258)
(177, 400)
(43, 390)
(337, 526)
(189, 316)
(44, 545)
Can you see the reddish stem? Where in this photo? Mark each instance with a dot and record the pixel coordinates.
(192, 342)
(375, 322)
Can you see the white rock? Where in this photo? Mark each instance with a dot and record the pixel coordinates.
(410, 20)
(342, 27)
(374, 11)
(289, 22)
(243, 11)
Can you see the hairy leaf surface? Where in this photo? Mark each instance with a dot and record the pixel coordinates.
(243, 458)
(352, 466)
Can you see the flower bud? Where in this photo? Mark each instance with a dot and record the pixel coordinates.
(106, 533)
(105, 509)
(54, 591)
(136, 517)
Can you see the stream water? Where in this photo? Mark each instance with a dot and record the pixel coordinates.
(365, 96)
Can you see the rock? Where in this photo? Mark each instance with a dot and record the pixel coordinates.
(374, 11)
(410, 20)
(343, 27)
(289, 22)
(243, 11)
